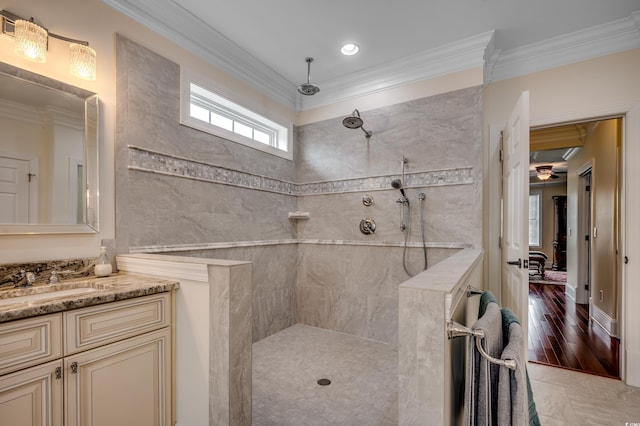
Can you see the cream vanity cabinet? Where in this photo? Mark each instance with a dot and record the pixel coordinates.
(102, 365)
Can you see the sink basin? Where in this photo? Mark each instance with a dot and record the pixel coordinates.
(28, 298)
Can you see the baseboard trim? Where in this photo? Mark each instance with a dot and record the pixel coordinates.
(570, 292)
(601, 318)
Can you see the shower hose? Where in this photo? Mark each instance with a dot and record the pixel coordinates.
(408, 231)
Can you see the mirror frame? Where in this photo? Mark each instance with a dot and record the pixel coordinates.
(91, 113)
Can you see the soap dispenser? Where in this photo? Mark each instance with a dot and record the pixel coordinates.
(103, 264)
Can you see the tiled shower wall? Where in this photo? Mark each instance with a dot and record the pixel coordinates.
(349, 281)
(181, 191)
(177, 186)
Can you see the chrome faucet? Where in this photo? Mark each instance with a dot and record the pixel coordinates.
(26, 279)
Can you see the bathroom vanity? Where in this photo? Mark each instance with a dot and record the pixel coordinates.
(101, 357)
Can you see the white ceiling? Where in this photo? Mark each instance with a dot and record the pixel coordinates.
(265, 42)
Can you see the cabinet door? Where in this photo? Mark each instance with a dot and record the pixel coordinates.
(124, 383)
(28, 342)
(32, 397)
(94, 326)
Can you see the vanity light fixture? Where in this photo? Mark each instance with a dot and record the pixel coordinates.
(32, 41)
(349, 49)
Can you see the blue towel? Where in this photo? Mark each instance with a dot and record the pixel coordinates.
(486, 298)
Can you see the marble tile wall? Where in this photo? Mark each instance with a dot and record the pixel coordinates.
(354, 289)
(178, 187)
(230, 345)
(274, 272)
(155, 208)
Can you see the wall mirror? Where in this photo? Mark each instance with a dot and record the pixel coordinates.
(48, 155)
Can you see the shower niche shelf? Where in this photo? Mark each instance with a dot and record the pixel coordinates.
(298, 215)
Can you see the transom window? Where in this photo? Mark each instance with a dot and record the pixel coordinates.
(207, 111)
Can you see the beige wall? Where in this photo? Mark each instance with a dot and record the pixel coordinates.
(98, 25)
(599, 87)
(599, 150)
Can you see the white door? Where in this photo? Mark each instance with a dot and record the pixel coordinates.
(515, 216)
(14, 190)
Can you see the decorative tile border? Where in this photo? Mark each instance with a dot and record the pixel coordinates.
(153, 162)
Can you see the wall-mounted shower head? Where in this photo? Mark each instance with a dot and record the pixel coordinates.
(355, 122)
(397, 184)
(307, 88)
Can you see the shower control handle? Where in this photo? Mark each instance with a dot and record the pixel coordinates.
(367, 226)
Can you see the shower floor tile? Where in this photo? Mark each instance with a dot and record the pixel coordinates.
(288, 364)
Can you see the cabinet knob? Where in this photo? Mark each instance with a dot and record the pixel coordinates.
(58, 373)
(74, 367)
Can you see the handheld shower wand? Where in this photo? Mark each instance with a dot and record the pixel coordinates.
(397, 184)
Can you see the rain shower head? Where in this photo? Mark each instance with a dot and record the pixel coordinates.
(355, 122)
(307, 88)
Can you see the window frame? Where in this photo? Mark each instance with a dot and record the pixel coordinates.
(214, 100)
(538, 194)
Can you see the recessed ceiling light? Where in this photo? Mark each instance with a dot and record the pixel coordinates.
(349, 49)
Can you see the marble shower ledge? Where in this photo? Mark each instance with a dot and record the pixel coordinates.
(109, 289)
(148, 161)
(261, 243)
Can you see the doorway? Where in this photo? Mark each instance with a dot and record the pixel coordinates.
(574, 309)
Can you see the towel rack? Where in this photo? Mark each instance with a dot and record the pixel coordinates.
(455, 329)
(471, 290)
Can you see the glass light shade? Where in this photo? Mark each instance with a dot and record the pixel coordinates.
(30, 41)
(544, 174)
(83, 61)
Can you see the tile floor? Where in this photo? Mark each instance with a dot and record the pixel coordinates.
(363, 374)
(288, 364)
(566, 397)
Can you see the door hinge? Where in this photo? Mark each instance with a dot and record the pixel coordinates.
(499, 242)
(587, 188)
(31, 175)
(501, 155)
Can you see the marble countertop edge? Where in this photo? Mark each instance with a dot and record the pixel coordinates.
(108, 289)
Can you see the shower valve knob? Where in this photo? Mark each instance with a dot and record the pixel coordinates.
(367, 226)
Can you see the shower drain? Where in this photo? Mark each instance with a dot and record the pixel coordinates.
(324, 382)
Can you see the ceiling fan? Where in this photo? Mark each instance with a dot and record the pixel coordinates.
(546, 172)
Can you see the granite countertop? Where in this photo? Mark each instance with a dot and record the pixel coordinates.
(108, 289)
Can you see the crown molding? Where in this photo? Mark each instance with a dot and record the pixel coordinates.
(453, 57)
(166, 16)
(21, 112)
(600, 40)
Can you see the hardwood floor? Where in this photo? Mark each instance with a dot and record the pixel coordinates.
(561, 335)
